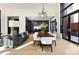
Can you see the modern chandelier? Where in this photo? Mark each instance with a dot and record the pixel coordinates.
(43, 14)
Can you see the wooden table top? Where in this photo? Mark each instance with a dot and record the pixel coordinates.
(45, 34)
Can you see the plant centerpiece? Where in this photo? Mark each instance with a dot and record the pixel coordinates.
(43, 27)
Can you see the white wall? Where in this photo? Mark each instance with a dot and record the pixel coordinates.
(3, 22)
(57, 16)
(28, 10)
(22, 24)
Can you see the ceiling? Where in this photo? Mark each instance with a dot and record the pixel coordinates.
(29, 6)
(25, 5)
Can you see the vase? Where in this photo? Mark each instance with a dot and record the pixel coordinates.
(42, 32)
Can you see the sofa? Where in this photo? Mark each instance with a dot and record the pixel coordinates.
(10, 41)
(7, 41)
(20, 38)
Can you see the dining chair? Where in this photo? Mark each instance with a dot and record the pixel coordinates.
(46, 41)
(35, 38)
(53, 38)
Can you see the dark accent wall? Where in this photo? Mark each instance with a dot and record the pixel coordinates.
(28, 25)
(38, 22)
(31, 23)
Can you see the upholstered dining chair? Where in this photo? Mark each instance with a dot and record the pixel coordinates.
(46, 41)
(35, 38)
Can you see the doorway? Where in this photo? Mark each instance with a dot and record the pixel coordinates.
(15, 28)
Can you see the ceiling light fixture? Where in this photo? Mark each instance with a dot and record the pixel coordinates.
(43, 14)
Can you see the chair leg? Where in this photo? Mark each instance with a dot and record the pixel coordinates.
(51, 49)
(34, 43)
(42, 48)
(49, 45)
(55, 43)
(40, 44)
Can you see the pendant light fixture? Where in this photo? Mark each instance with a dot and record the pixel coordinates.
(43, 14)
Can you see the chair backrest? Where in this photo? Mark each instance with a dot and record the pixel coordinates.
(35, 35)
(54, 38)
(46, 40)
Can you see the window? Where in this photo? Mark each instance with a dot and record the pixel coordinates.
(74, 24)
(68, 10)
(65, 27)
(65, 8)
(70, 22)
(71, 8)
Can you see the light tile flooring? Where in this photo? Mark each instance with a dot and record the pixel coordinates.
(63, 47)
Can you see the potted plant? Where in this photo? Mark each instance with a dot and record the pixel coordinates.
(43, 27)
